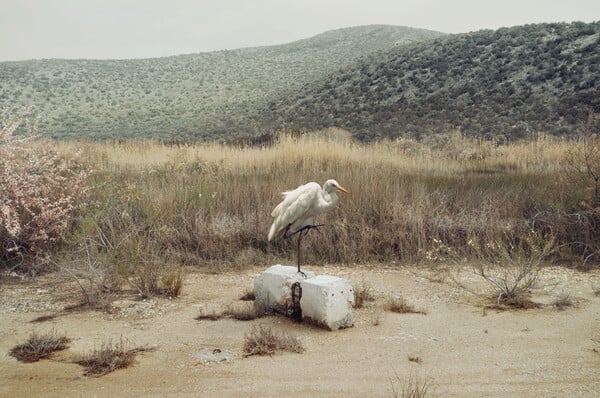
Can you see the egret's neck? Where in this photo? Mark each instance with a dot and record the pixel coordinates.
(330, 200)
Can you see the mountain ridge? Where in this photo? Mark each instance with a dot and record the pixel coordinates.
(376, 81)
(502, 84)
(188, 97)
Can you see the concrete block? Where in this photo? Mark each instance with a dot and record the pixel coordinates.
(273, 287)
(327, 301)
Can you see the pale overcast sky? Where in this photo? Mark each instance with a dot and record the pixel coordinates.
(107, 29)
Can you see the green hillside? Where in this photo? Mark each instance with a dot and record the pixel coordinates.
(507, 83)
(189, 97)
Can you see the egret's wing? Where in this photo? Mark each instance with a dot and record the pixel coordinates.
(294, 209)
(290, 197)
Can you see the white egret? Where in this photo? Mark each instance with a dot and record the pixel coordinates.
(297, 212)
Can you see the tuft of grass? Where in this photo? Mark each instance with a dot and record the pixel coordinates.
(241, 313)
(563, 301)
(412, 387)
(108, 358)
(172, 281)
(263, 341)
(376, 317)
(248, 295)
(400, 306)
(40, 346)
(363, 293)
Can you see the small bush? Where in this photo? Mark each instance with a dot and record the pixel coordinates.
(400, 306)
(563, 301)
(41, 191)
(108, 358)
(40, 346)
(263, 341)
(512, 267)
(363, 293)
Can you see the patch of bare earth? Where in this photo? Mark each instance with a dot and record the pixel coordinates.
(457, 344)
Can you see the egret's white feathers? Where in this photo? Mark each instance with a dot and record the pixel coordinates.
(301, 205)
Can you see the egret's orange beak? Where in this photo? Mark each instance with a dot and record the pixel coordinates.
(341, 188)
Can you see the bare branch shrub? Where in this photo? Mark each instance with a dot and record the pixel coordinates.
(512, 267)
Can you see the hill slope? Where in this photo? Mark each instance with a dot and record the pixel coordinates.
(510, 82)
(197, 96)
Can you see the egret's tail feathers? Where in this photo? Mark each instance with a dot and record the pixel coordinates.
(276, 231)
(272, 232)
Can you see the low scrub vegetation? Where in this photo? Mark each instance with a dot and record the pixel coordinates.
(108, 358)
(40, 346)
(512, 268)
(401, 306)
(264, 341)
(39, 193)
(363, 293)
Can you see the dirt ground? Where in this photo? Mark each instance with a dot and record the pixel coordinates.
(460, 348)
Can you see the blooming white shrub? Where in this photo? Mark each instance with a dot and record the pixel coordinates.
(39, 188)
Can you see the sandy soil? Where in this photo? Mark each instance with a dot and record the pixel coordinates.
(458, 347)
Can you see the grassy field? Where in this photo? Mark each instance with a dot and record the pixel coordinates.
(210, 204)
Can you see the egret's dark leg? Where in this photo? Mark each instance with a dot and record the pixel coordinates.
(298, 252)
(301, 232)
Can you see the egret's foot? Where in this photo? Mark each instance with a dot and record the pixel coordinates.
(303, 274)
(302, 231)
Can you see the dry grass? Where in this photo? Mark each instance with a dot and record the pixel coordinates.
(401, 306)
(263, 341)
(108, 358)
(563, 301)
(40, 346)
(237, 312)
(363, 293)
(412, 387)
(172, 281)
(248, 295)
(209, 205)
(521, 301)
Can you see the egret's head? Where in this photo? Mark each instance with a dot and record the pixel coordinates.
(331, 185)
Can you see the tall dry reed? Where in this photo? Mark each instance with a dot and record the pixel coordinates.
(210, 203)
